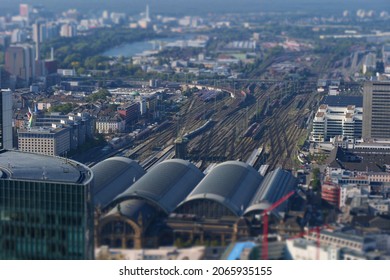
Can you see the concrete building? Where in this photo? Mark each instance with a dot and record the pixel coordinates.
(331, 193)
(376, 110)
(38, 36)
(386, 58)
(344, 240)
(81, 125)
(303, 249)
(129, 112)
(52, 141)
(332, 121)
(24, 10)
(45, 206)
(161, 253)
(6, 119)
(19, 63)
(68, 30)
(369, 63)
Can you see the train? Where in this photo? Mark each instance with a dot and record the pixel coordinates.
(161, 126)
(258, 132)
(192, 134)
(250, 129)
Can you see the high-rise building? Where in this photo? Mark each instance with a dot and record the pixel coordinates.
(45, 208)
(5, 119)
(68, 30)
(19, 62)
(39, 36)
(24, 10)
(376, 110)
(147, 16)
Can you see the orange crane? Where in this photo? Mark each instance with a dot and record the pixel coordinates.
(264, 254)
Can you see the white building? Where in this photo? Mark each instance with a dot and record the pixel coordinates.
(344, 240)
(108, 124)
(303, 249)
(162, 253)
(68, 30)
(369, 63)
(330, 122)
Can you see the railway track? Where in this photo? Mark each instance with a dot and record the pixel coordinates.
(278, 130)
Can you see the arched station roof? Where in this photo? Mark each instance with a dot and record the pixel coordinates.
(165, 185)
(275, 186)
(231, 184)
(112, 177)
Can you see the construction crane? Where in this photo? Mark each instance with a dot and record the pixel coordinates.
(266, 220)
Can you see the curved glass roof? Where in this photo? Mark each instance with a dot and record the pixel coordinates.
(231, 183)
(165, 185)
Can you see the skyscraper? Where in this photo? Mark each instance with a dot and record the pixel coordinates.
(46, 207)
(38, 32)
(24, 10)
(147, 15)
(5, 119)
(376, 110)
(19, 62)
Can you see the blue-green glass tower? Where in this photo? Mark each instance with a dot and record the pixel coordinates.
(45, 208)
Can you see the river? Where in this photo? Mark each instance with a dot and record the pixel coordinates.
(131, 49)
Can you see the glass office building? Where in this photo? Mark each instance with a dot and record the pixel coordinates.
(45, 207)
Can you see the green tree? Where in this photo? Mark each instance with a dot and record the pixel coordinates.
(100, 94)
(63, 108)
(316, 181)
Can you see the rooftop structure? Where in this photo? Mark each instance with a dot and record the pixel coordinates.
(165, 185)
(46, 208)
(112, 177)
(363, 160)
(231, 185)
(33, 167)
(276, 185)
(342, 101)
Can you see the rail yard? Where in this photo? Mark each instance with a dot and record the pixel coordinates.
(271, 115)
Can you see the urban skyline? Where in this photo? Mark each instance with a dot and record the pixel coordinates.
(195, 131)
(197, 7)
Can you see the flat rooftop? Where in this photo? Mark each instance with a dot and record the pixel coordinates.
(42, 130)
(16, 165)
(359, 159)
(342, 101)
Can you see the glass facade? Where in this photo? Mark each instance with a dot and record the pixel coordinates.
(45, 220)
